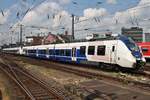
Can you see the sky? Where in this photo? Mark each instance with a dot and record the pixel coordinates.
(43, 16)
(111, 5)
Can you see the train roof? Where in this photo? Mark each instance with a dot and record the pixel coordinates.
(14, 48)
(144, 43)
(111, 38)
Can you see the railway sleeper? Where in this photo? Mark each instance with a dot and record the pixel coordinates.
(46, 98)
(37, 91)
(40, 94)
(19, 98)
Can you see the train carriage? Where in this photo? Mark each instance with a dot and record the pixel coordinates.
(145, 46)
(16, 50)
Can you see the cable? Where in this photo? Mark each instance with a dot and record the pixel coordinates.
(31, 8)
(129, 10)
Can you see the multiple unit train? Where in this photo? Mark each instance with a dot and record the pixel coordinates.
(145, 46)
(119, 51)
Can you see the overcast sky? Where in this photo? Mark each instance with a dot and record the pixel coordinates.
(55, 16)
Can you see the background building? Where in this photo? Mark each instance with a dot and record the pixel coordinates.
(147, 37)
(49, 39)
(135, 33)
(33, 40)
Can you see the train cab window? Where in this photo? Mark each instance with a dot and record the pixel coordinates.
(145, 49)
(101, 50)
(82, 50)
(91, 50)
(68, 52)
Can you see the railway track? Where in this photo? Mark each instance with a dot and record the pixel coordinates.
(88, 74)
(144, 73)
(147, 66)
(32, 87)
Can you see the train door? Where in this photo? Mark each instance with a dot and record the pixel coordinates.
(47, 53)
(37, 52)
(113, 54)
(73, 54)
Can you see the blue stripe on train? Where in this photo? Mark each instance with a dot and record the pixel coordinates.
(63, 58)
(78, 57)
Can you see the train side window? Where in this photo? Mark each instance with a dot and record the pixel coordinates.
(101, 50)
(28, 51)
(113, 48)
(47, 51)
(57, 52)
(91, 50)
(145, 49)
(61, 52)
(82, 50)
(50, 52)
(31, 51)
(25, 51)
(68, 52)
(42, 51)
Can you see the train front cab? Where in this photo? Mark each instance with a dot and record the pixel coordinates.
(145, 47)
(129, 54)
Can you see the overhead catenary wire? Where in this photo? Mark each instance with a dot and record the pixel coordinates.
(134, 19)
(29, 9)
(75, 22)
(133, 10)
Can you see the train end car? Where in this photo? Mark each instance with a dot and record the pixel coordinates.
(145, 47)
(129, 55)
(15, 50)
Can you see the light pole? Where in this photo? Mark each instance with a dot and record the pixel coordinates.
(11, 38)
(72, 26)
(21, 34)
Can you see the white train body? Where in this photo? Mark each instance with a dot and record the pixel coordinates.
(121, 51)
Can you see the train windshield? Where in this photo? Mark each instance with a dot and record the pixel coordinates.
(129, 43)
(132, 45)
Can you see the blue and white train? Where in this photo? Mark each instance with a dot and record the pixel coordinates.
(120, 51)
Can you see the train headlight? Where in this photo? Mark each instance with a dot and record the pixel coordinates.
(138, 58)
(141, 63)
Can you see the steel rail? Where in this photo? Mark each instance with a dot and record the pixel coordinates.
(12, 73)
